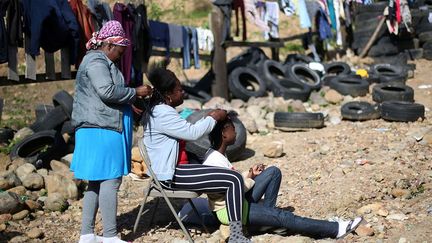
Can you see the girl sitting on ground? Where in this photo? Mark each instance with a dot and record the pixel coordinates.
(260, 181)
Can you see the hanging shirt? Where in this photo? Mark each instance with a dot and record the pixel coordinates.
(205, 39)
(101, 12)
(142, 47)
(3, 35)
(305, 21)
(15, 24)
(176, 36)
(51, 24)
(122, 13)
(160, 34)
(253, 16)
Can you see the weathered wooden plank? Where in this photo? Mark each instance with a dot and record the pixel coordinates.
(49, 66)
(202, 57)
(13, 63)
(40, 78)
(65, 64)
(220, 86)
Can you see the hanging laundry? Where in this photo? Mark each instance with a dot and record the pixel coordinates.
(84, 18)
(253, 16)
(176, 36)
(331, 13)
(101, 12)
(160, 34)
(338, 27)
(323, 25)
(272, 19)
(3, 35)
(239, 5)
(305, 20)
(406, 15)
(226, 7)
(205, 39)
(15, 24)
(142, 43)
(122, 13)
(287, 7)
(51, 24)
(190, 46)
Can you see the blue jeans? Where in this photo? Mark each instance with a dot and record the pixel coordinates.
(266, 214)
(266, 184)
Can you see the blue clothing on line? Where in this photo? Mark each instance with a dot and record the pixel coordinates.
(102, 154)
(190, 43)
(160, 34)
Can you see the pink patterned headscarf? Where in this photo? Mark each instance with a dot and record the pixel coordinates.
(111, 32)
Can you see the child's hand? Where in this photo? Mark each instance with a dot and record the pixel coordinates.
(256, 170)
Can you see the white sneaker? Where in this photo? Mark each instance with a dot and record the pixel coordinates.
(346, 227)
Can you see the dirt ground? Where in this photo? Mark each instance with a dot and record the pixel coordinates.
(332, 172)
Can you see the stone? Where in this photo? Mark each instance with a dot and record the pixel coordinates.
(59, 167)
(35, 233)
(224, 232)
(249, 123)
(9, 203)
(24, 170)
(262, 125)
(136, 155)
(216, 102)
(20, 215)
(364, 230)
(400, 193)
(315, 107)
(317, 99)
(19, 190)
(137, 168)
(67, 159)
(371, 208)
(2, 227)
(9, 180)
(270, 120)
(296, 106)
(19, 239)
(397, 216)
(42, 172)
(254, 111)
(65, 186)
(332, 96)
(237, 103)
(55, 202)
(278, 104)
(190, 104)
(4, 162)
(33, 181)
(273, 149)
(402, 240)
(5, 217)
(16, 163)
(32, 205)
(427, 138)
(23, 133)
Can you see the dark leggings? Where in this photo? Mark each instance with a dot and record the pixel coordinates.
(209, 179)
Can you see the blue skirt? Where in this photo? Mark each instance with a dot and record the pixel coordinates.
(102, 154)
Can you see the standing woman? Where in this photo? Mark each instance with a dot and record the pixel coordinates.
(163, 128)
(102, 117)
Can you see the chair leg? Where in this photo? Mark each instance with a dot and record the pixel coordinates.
(146, 193)
(197, 214)
(185, 231)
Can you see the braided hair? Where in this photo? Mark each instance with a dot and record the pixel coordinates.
(215, 136)
(164, 82)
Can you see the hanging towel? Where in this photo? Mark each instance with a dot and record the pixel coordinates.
(305, 20)
(205, 39)
(160, 34)
(176, 36)
(122, 13)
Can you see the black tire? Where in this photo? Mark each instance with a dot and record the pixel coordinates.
(200, 146)
(252, 57)
(427, 54)
(399, 59)
(392, 91)
(6, 135)
(334, 69)
(298, 120)
(67, 128)
(289, 89)
(350, 85)
(401, 111)
(64, 100)
(41, 111)
(374, 7)
(244, 83)
(383, 49)
(425, 36)
(52, 120)
(359, 111)
(366, 16)
(270, 71)
(298, 58)
(303, 74)
(40, 148)
(389, 72)
(196, 94)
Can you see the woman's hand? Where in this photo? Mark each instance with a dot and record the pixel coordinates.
(218, 114)
(255, 170)
(144, 90)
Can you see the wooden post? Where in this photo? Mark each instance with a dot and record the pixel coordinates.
(275, 50)
(220, 85)
(50, 66)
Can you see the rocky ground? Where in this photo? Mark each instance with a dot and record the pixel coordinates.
(377, 169)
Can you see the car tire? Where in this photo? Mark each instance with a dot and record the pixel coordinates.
(289, 89)
(392, 91)
(41, 111)
(64, 100)
(303, 74)
(270, 71)
(402, 111)
(350, 85)
(51, 121)
(244, 83)
(359, 111)
(298, 120)
(333, 70)
(389, 72)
